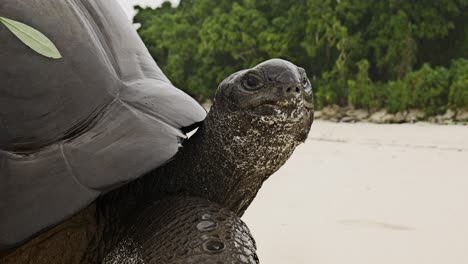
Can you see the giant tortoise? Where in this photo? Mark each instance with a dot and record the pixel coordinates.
(95, 163)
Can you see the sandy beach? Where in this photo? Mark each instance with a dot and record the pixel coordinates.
(365, 193)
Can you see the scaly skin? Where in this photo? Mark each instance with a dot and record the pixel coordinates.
(201, 232)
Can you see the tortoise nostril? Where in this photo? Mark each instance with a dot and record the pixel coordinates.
(292, 90)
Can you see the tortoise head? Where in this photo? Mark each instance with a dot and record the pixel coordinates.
(275, 92)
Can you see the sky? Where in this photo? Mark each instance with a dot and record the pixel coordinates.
(127, 5)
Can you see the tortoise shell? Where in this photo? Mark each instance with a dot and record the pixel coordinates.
(74, 128)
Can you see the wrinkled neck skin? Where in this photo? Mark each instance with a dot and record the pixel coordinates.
(231, 155)
(226, 162)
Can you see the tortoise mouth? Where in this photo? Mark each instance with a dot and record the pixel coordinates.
(266, 109)
(309, 105)
(270, 108)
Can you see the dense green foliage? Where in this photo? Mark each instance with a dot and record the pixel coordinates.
(367, 54)
(458, 94)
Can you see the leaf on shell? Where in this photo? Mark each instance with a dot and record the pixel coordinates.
(32, 38)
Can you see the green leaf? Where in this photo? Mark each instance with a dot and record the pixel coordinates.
(32, 38)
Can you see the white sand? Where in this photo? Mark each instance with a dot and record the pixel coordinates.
(365, 193)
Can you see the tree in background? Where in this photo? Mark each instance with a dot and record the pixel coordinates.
(359, 53)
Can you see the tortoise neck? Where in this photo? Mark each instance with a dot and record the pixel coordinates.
(228, 159)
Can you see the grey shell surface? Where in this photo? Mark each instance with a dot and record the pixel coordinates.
(74, 128)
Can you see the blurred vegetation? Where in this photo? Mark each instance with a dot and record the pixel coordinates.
(392, 54)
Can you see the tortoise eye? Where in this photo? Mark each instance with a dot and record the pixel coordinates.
(252, 82)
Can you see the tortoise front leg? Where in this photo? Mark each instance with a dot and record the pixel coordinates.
(185, 230)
